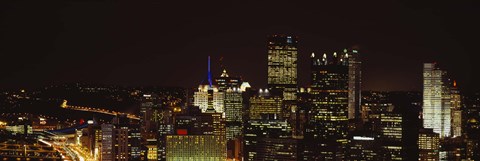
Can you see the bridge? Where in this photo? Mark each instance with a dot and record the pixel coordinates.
(97, 110)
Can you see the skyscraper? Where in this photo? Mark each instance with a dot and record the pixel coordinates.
(436, 100)
(456, 108)
(233, 112)
(208, 96)
(107, 142)
(233, 103)
(354, 83)
(327, 116)
(282, 65)
(115, 140)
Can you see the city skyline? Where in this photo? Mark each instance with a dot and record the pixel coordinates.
(66, 47)
(223, 81)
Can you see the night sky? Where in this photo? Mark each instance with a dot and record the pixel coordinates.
(167, 44)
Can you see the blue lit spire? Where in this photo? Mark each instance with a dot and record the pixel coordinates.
(209, 73)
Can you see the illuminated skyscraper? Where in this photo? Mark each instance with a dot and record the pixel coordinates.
(209, 96)
(107, 142)
(282, 65)
(134, 142)
(354, 83)
(327, 117)
(121, 144)
(233, 109)
(115, 140)
(233, 103)
(456, 108)
(233, 112)
(436, 100)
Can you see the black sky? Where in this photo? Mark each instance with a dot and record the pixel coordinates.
(166, 44)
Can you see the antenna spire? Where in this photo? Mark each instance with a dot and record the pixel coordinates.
(209, 73)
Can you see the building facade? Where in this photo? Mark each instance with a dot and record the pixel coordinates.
(436, 100)
(282, 65)
(327, 116)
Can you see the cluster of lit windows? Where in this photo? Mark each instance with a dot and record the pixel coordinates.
(196, 148)
(263, 105)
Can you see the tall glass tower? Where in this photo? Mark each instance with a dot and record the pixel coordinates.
(354, 83)
(282, 65)
(327, 116)
(436, 100)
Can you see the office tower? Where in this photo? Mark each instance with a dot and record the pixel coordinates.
(270, 140)
(267, 135)
(116, 140)
(264, 105)
(456, 109)
(233, 103)
(436, 100)
(233, 112)
(282, 65)
(107, 142)
(390, 129)
(327, 116)
(233, 108)
(134, 142)
(208, 96)
(121, 145)
(198, 136)
(428, 145)
(196, 147)
(354, 83)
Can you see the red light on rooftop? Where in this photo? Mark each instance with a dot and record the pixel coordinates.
(181, 131)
